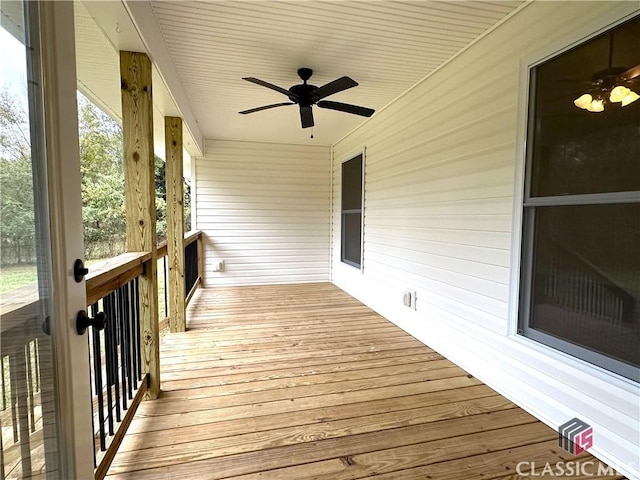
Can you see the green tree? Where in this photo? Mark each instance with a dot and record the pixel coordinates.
(161, 201)
(102, 169)
(161, 198)
(187, 206)
(101, 165)
(16, 188)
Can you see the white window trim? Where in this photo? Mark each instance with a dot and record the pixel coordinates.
(360, 151)
(560, 46)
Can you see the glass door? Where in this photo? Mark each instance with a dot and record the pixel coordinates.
(45, 418)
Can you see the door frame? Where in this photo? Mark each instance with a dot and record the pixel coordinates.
(57, 49)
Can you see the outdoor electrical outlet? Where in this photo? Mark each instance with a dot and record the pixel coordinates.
(219, 266)
(409, 299)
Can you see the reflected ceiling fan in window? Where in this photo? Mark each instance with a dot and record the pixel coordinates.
(612, 85)
(306, 95)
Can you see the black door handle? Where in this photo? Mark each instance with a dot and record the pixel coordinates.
(79, 270)
(83, 321)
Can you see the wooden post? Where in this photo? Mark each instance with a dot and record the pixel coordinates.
(175, 222)
(139, 169)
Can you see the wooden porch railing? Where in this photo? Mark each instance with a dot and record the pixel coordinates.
(112, 288)
(574, 282)
(23, 344)
(193, 266)
(118, 383)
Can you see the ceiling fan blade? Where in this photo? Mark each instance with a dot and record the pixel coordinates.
(266, 107)
(257, 81)
(306, 117)
(342, 83)
(345, 107)
(576, 82)
(632, 73)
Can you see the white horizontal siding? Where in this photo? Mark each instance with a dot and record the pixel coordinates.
(264, 210)
(439, 195)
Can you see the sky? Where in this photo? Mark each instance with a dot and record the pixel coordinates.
(13, 65)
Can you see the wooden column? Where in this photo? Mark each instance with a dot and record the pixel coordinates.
(175, 222)
(139, 169)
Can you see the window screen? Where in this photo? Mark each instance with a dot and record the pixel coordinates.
(580, 279)
(352, 212)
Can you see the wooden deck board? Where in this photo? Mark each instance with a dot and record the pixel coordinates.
(296, 382)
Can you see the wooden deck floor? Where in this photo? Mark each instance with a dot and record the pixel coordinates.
(300, 382)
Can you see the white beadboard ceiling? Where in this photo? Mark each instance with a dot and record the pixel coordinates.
(386, 46)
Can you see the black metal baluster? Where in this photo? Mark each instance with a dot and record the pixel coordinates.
(114, 333)
(187, 272)
(132, 320)
(93, 412)
(29, 370)
(37, 362)
(128, 364)
(108, 341)
(123, 346)
(136, 324)
(97, 366)
(166, 289)
(190, 266)
(13, 384)
(4, 388)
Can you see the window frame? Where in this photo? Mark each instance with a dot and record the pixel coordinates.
(524, 232)
(360, 211)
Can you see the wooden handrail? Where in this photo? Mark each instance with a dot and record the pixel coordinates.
(189, 238)
(111, 274)
(192, 291)
(102, 279)
(162, 249)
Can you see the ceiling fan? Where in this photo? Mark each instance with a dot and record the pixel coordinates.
(306, 95)
(611, 85)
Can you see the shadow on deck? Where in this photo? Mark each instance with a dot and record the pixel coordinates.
(303, 381)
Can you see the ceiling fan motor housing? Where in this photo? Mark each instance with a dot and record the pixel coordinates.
(301, 94)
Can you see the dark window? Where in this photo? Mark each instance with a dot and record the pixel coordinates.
(580, 286)
(351, 252)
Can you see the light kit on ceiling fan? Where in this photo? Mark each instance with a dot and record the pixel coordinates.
(595, 103)
(610, 86)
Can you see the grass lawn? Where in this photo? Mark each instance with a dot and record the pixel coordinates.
(16, 276)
